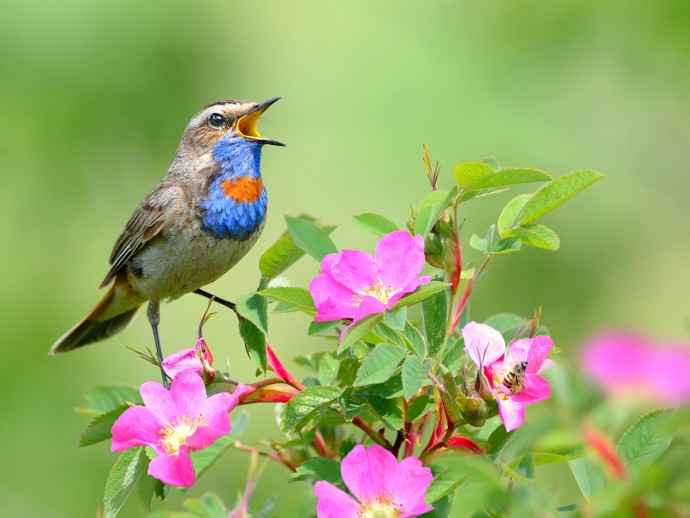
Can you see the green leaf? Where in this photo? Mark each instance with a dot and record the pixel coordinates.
(509, 176)
(129, 466)
(352, 402)
(414, 373)
(147, 488)
(443, 483)
(310, 237)
(647, 439)
(452, 360)
(419, 407)
(507, 324)
(255, 343)
(588, 475)
(358, 330)
(396, 319)
(414, 340)
(99, 429)
(505, 245)
(316, 328)
(328, 369)
(556, 192)
(510, 215)
(430, 209)
(421, 293)
(376, 223)
(388, 410)
(379, 365)
(253, 308)
(283, 253)
(319, 468)
(302, 407)
(104, 398)
(538, 236)
(298, 298)
(470, 172)
(434, 310)
(497, 440)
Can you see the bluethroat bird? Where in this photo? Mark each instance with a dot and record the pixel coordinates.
(195, 224)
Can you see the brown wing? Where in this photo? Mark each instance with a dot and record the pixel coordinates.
(144, 225)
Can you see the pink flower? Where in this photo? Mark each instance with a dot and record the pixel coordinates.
(625, 363)
(354, 285)
(174, 423)
(196, 359)
(382, 486)
(511, 372)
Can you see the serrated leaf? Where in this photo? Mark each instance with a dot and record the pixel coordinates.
(255, 343)
(493, 162)
(470, 172)
(430, 209)
(311, 238)
(128, 467)
(538, 236)
(509, 176)
(99, 429)
(253, 308)
(358, 330)
(316, 328)
(646, 440)
(588, 475)
(510, 215)
(302, 407)
(452, 360)
(414, 373)
(443, 483)
(319, 468)
(434, 310)
(376, 223)
(419, 407)
(497, 440)
(556, 192)
(422, 292)
(414, 340)
(388, 410)
(505, 245)
(147, 487)
(379, 365)
(284, 253)
(298, 298)
(104, 398)
(328, 369)
(396, 319)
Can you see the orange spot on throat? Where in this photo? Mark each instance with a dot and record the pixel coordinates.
(244, 189)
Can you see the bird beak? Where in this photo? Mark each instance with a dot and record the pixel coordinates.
(248, 125)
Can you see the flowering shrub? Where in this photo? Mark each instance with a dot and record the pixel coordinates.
(413, 408)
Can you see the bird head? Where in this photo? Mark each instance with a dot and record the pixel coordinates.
(232, 119)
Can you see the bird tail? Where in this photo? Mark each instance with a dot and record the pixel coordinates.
(110, 316)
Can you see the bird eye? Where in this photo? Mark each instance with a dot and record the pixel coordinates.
(216, 120)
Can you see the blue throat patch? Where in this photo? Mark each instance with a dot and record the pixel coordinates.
(225, 215)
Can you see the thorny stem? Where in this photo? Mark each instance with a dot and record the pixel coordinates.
(375, 436)
(466, 295)
(319, 444)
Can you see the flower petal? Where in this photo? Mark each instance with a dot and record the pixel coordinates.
(215, 411)
(366, 471)
(184, 360)
(408, 486)
(137, 426)
(333, 502)
(188, 392)
(536, 389)
(512, 413)
(399, 258)
(176, 470)
(355, 270)
(483, 343)
(369, 306)
(159, 400)
(333, 301)
(408, 289)
(539, 350)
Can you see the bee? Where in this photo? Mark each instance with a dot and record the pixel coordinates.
(514, 381)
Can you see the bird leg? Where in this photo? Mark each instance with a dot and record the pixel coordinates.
(154, 316)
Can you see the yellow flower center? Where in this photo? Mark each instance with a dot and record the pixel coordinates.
(378, 291)
(379, 506)
(175, 433)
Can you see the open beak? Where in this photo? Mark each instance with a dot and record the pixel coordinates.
(248, 125)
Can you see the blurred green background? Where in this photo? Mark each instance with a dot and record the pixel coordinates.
(94, 97)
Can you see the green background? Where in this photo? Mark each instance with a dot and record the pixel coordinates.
(93, 100)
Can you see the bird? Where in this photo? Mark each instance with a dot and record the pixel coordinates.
(194, 225)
